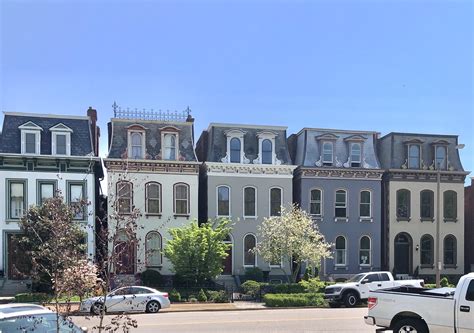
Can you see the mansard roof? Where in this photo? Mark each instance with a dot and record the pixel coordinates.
(14, 122)
(118, 134)
(392, 149)
(306, 147)
(212, 145)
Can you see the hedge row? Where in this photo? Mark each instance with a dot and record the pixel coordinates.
(295, 300)
(314, 285)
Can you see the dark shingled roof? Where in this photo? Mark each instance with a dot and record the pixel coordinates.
(11, 135)
(118, 138)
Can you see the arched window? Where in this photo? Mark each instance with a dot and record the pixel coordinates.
(169, 147)
(181, 199)
(426, 204)
(153, 198)
(341, 204)
(223, 201)
(327, 153)
(356, 153)
(235, 148)
(440, 157)
(124, 248)
(341, 251)
(426, 252)
(364, 251)
(250, 201)
(450, 203)
(414, 156)
(450, 251)
(275, 201)
(365, 209)
(315, 202)
(250, 258)
(403, 204)
(137, 149)
(267, 152)
(153, 248)
(124, 197)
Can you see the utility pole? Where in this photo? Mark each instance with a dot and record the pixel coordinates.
(438, 221)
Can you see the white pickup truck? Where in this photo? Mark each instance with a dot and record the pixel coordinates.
(407, 309)
(356, 289)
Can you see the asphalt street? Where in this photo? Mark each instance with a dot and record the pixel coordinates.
(275, 320)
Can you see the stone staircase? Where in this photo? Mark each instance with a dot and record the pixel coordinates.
(13, 287)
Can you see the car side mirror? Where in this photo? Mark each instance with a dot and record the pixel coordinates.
(364, 281)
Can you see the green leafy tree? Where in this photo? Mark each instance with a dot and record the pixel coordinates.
(196, 252)
(292, 236)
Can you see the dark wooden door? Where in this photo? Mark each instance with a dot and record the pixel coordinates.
(18, 263)
(125, 258)
(228, 263)
(402, 254)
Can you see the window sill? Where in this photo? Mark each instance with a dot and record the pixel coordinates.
(341, 267)
(450, 266)
(341, 219)
(427, 219)
(362, 266)
(181, 215)
(12, 221)
(366, 219)
(403, 219)
(250, 266)
(148, 215)
(427, 266)
(245, 217)
(450, 220)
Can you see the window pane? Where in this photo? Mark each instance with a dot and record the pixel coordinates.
(124, 195)
(315, 202)
(267, 157)
(441, 157)
(153, 249)
(327, 153)
(340, 209)
(249, 193)
(17, 200)
(275, 201)
(414, 157)
(249, 255)
(75, 198)
(170, 147)
(46, 192)
(61, 144)
(364, 209)
(403, 203)
(181, 207)
(450, 203)
(427, 204)
(181, 199)
(235, 150)
(426, 250)
(153, 198)
(450, 250)
(355, 154)
(340, 243)
(30, 143)
(181, 192)
(315, 195)
(223, 201)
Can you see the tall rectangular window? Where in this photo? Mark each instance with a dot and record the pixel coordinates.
(223, 201)
(327, 153)
(153, 198)
(46, 190)
(275, 201)
(17, 198)
(249, 201)
(450, 205)
(169, 147)
(61, 144)
(124, 197)
(341, 203)
(76, 195)
(365, 203)
(315, 202)
(426, 204)
(181, 199)
(30, 143)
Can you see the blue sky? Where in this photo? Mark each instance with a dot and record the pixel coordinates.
(404, 66)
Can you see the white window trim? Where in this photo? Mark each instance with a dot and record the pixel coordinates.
(370, 204)
(54, 141)
(332, 152)
(188, 199)
(238, 134)
(256, 203)
(243, 252)
(445, 160)
(160, 249)
(270, 199)
(163, 134)
(345, 252)
(370, 251)
(266, 136)
(129, 140)
(217, 201)
(419, 156)
(160, 199)
(345, 206)
(311, 201)
(37, 134)
(360, 156)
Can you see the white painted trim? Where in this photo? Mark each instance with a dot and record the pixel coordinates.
(352, 144)
(217, 200)
(419, 155)
(321, 202)
(60, 127)
(370, 252)
(279, 128)
(256, 203)
(332, 151)
(176, 143)
(129, 143)
(346, 205)
(37, 134)
(270, 199)
(54, 143)
(345, 251)
(243, 252)
(370, 203)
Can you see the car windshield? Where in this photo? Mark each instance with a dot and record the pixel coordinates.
(41, 323)
(356, 278)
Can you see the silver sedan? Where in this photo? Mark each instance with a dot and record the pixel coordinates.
(128, 299)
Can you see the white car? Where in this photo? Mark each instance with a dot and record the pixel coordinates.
(33, 318)
(128, 299)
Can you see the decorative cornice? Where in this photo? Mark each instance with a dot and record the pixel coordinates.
(340, 173)
(426, 175)
(152, 166)
(249, 169)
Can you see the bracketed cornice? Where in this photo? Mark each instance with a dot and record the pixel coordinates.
(338, 173)
(249, 169)
(426, 175)
(147, 166)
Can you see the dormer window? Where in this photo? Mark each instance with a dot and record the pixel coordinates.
(440, 157)
(414, 156)
(235, 150)
(60, 140)
(266, 144)
(356, 153)
(136, 142)
(30, 138)
(267, 152)
(327, 153)
(169, 142)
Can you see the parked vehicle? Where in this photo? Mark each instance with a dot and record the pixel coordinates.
(408, 309)
(33, 318)
(128, 299)
(356, 289)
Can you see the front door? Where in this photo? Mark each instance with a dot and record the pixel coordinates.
(402, 252)
(125, 258)
(227, 262)
(18, 263)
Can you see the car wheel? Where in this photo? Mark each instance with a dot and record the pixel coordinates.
(411, 325)
(153, 307)
(334, 305)
(351, 299)
(97, 308)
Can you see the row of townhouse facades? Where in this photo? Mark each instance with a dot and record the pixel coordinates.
(378, 200)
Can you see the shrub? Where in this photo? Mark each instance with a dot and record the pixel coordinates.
(201, 297)
(32, 297)
(175, 296)
(294, 300)
(254, 274)
(313, 285)
(218, 296)
(152, 278)
(193, 300)
(285, 288)
(251, 288)
(444, 282)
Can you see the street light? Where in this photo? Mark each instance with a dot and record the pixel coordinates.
(438, 218)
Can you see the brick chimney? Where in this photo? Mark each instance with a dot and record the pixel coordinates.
(95, 130)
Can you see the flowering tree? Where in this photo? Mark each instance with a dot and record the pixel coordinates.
(292, 237)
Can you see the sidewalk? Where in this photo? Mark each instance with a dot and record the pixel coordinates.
(237, 305)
